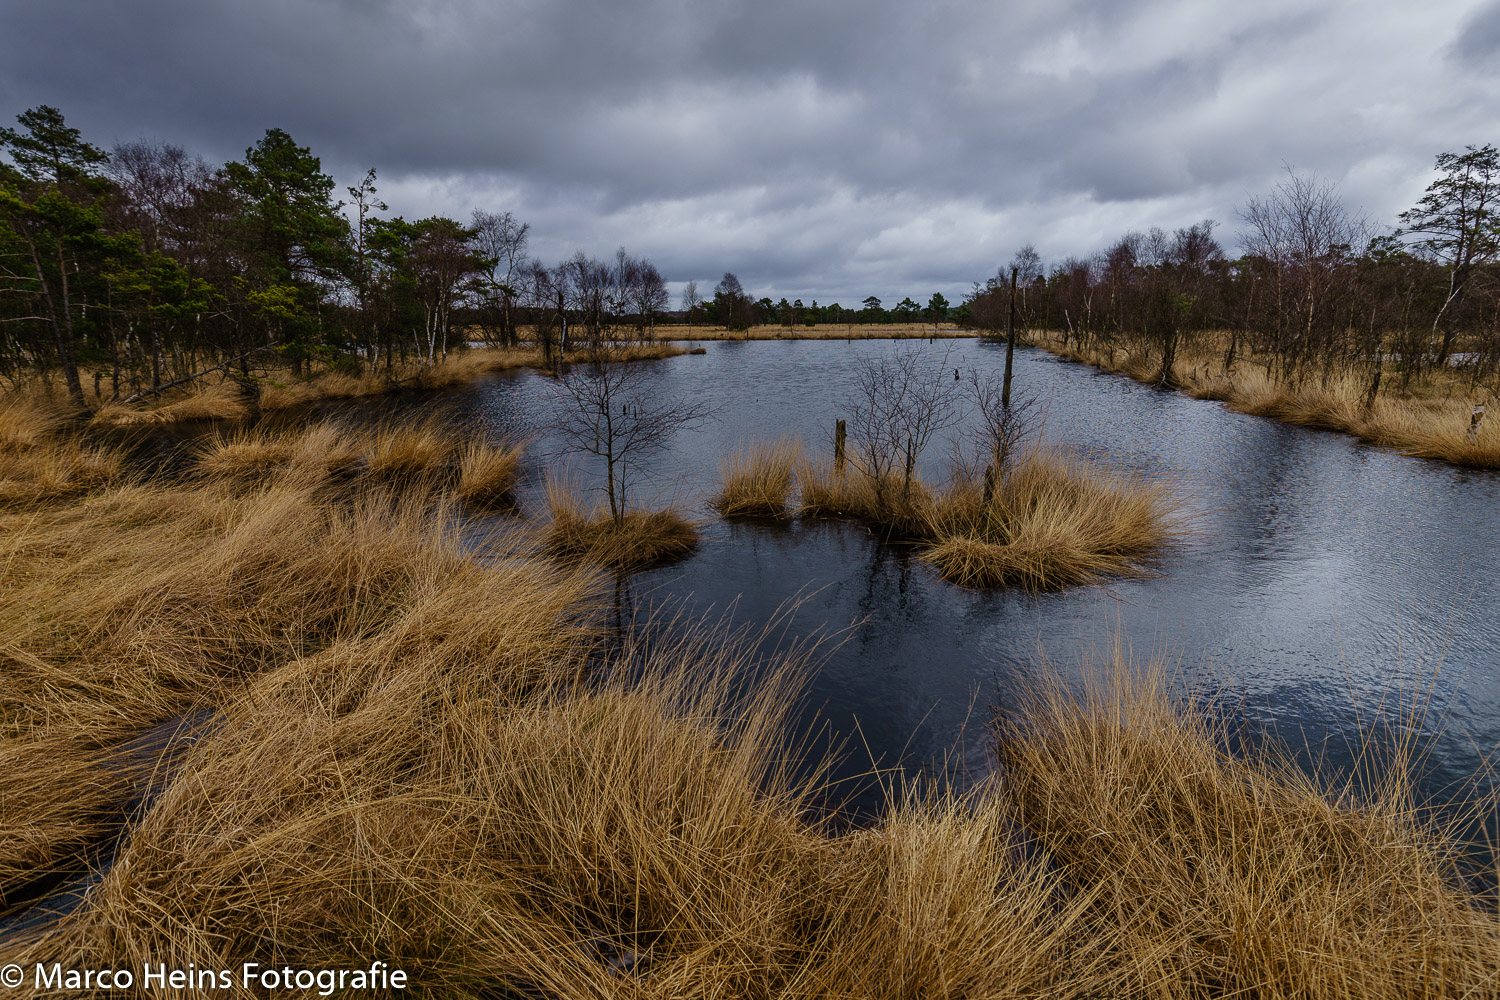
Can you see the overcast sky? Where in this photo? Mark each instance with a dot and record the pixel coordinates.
(823, 150)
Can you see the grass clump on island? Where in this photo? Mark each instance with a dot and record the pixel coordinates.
(626, 540)
(757, 481)
(1428, 419)
(431, 752)
(1051, 521)
(1048, 521)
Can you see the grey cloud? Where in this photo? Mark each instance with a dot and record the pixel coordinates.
(827, 150)
(1478, 41)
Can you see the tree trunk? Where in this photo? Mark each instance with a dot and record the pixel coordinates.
(1010, 344)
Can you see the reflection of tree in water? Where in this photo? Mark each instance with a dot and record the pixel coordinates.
(623, 605)
(877, 601)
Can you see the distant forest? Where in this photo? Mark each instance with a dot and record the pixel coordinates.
(138, 267)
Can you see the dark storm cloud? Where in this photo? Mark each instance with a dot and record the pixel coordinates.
(819, 149)
(1478, 42)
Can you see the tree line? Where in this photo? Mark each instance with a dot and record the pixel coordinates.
(141, 265)
(1316, 289)
(733, 308)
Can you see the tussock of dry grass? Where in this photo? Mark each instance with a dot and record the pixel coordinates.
(38, 465)
(651, 350)
(900, 509)
(29, 419)
(1053, 521)
(1220, 876)
(406, 452)
(757, 481)
(57, 471)
(1427, 427)
(200, 401)
(487, 473)
(142, 603)
(425, 455)
(636, 540)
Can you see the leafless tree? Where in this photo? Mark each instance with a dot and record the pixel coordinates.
(159, 182)
(691, 303)
(1027, 268)
(616, 412)
(1002, 428)
(539, 294)
(898, 403)
(500, 240)
(1305, 233)
(649, 293)
(586, 287)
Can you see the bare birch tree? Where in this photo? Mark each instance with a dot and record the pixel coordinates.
(616, 412)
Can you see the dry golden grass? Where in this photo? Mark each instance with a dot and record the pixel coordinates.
(1052, 521)
(651, 350)
(899, 508)
(139, 604)
(29, 419)
(407, 452)
(56, 471)
(422, 455)
(1430, 422)
(200, 401)
(1220, 876)
(487, 473)
(38, 464)
(637, 540)
(424, 752)
(210, 400)
(757, 480)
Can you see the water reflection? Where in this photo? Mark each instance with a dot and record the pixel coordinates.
(1319, 573)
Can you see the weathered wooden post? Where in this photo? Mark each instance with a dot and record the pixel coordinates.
(839, 435)
(1475, 419)
(1010, 343)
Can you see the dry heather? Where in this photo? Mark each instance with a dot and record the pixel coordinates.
(636, 540)
(1428, 426)
(757, 481)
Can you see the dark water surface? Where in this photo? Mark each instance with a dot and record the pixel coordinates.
(1320, 573)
